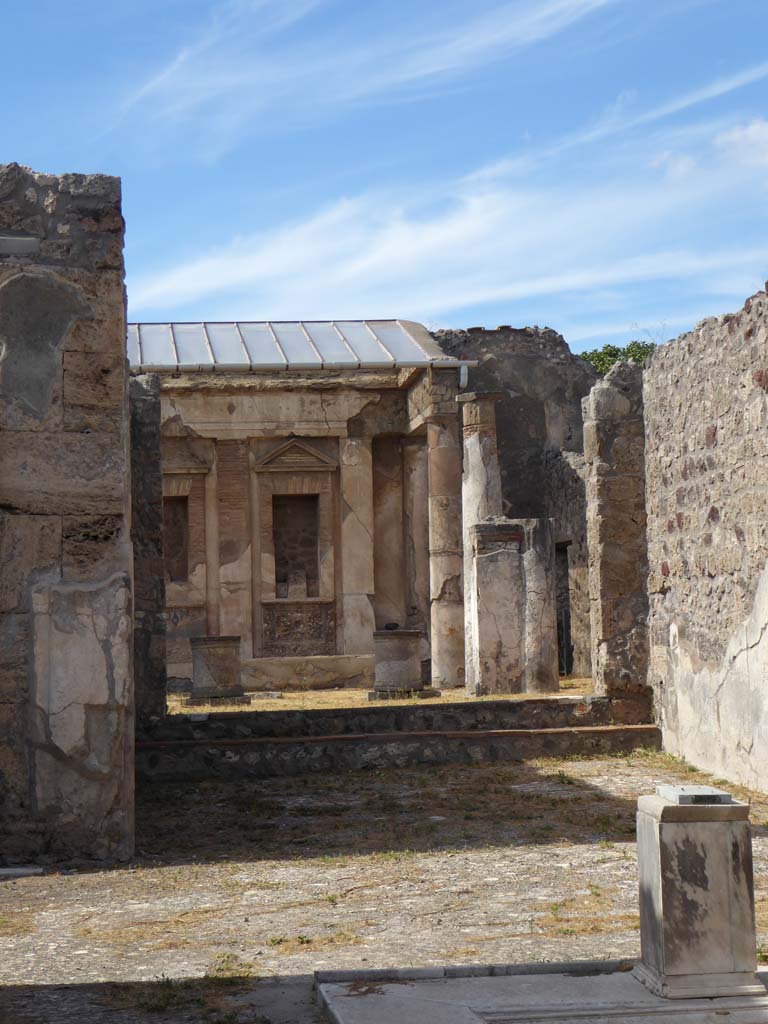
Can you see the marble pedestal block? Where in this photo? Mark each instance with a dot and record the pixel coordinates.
(216, 671)
(397, 665)
(697, 916)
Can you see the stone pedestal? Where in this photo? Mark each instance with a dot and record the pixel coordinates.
(397, 667)
(216, 671)
(697, 916)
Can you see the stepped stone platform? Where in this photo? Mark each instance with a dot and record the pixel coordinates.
(274, 743)
(587, 992)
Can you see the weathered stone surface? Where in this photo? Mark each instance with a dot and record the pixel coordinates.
(540, 440)
(697, 913)
(397, 665)
(65, 559)
(149, 633)
(706, 410)
(616, 522)
(309, 673)
(81, 697)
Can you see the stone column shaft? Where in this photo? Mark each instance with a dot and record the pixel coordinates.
(480, 500)
(416, 531)
(212, 592)
(357, 587)
(445, 553)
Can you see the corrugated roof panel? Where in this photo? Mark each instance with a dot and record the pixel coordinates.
(157, 345)
(262, 346)
(228, 348)
(330, 344)
(191, 346)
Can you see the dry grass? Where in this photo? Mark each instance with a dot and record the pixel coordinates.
(307, 700)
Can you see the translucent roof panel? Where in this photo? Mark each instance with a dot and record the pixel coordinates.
(262, 346)
(191, 345)
(157, 345)
(295, 342)
(282, 345)
(364, 343)
(331, 345)
(134, 356)
(227, 345)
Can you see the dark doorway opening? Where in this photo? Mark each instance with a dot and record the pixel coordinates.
(564, 643)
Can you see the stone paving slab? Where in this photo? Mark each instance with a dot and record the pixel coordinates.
(560, 994)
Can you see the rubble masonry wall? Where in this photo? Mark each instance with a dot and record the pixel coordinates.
(706, 425)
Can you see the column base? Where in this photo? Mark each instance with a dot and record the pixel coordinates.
(698, 986)
(200, 697)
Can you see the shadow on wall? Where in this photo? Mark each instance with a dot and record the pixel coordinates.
(390, 813)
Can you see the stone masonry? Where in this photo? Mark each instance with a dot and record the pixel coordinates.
(66, 689)
(614, 449)
(149, 651)
(706, 426)
(540, 441)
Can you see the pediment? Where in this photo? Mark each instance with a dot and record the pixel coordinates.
(295, 457)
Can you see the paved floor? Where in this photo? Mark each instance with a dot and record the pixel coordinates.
(240, 891)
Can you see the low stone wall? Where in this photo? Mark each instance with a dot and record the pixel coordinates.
(706, 427)
(531, 713)
(268, 758)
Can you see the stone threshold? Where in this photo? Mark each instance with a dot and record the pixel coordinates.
(587, 992)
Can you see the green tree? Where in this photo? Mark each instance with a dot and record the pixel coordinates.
(604, 358)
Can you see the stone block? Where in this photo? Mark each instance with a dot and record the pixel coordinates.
(14, 656)
(92, 391)
(92, 546)
(65, 474)
(322, 672)
(30, 550)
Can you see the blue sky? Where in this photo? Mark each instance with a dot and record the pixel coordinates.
(598, 166)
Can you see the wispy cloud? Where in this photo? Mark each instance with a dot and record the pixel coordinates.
(227, 78)
(747, 144)
(388, 254)
(618, 119)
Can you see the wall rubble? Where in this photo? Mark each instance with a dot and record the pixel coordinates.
(706, 420)
(66, 688)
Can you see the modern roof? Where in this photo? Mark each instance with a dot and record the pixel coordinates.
(283, 345)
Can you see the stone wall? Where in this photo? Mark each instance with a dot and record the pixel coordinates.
(147, 538)
(66, 688)
(540, 440)
(614, 450)
(706, 411)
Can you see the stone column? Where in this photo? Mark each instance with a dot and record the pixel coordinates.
(416, 536)
(356, 484)
(445, 554)
(614, 449)
(212, 582)
(149, 648)
(540, 605)
(480, 498)
(389, 550)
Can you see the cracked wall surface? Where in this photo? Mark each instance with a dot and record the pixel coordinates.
(66, 690)
(706, 417)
